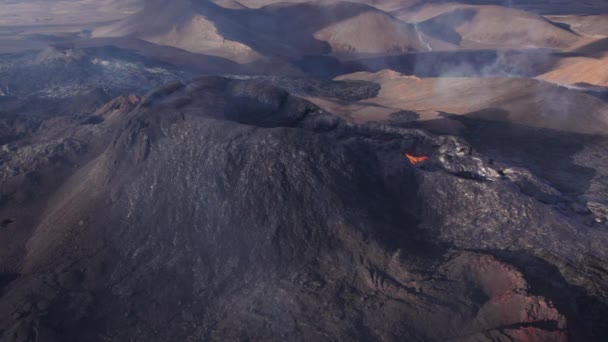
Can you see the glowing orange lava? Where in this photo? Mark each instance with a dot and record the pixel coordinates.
(416, 160)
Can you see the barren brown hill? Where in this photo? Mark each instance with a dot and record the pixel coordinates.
(385, 5)
(579, 70)
(180, 25)
(376, 32)
(283, 29)
(542, 7)
(587, 63)
(474, 26)
(595, 26)
(526, 101)
(547, 7)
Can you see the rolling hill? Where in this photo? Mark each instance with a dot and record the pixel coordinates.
(287, 30)
(488, 26)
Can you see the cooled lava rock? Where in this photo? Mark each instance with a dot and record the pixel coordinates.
(224, 209)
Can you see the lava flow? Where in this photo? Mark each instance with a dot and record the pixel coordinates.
(416, 160)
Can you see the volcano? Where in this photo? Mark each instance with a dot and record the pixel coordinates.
(303, 171)
(280, 229)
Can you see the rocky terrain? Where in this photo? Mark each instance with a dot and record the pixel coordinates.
(282, 228)
(303, 171)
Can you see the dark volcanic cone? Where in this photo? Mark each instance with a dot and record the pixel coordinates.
(231, 210)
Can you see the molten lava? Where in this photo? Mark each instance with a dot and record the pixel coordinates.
(416, 159)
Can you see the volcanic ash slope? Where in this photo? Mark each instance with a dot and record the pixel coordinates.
(223, 210)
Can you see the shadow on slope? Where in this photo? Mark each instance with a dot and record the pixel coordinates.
(542, 7)
(597, 49)
(472, 63)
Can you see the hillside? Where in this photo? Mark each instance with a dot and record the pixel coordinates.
(579, 70)
(526, 101)
(374, 32)
(180, 26)
(284, 29)
(594, 26)
(487, 26)
(108, 251)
